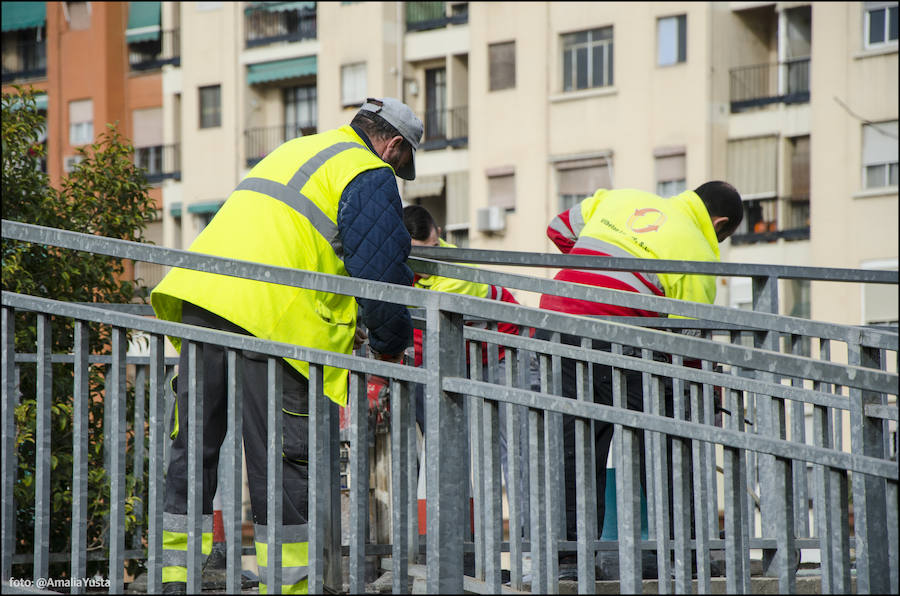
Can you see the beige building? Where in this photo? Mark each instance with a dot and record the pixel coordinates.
(530, 106)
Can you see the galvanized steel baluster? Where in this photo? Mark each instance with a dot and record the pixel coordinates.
(80, 420)
(232, 482)
(158, 438)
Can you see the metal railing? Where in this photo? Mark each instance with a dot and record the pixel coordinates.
(160, 162)
(763, 84)
(447, 127)
(272, 22)
(762, 440)
(421, 16)
(29, 61)
(155, 53)
(261, 141)
(767, 220)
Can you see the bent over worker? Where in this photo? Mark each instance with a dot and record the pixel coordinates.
(633, 223)
(326, 203)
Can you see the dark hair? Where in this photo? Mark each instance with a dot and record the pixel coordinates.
(418, 222)
(722, 200)
(376, 127)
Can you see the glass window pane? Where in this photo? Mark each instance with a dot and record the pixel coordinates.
(892, 176)
(876, 26)
(892, 23)
(682, 38)
(597, 66)
(602, 33)
(667, 31)
(581, 68)
(875, 176)
(580, 37)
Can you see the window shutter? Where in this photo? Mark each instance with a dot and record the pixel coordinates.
(752, 166)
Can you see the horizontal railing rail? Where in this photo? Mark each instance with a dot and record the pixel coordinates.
(757, 426)
(155, 53)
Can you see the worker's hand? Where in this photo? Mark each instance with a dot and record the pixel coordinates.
(360, 337)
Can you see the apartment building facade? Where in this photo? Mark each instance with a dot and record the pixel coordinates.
(529, 107)
(94, 63)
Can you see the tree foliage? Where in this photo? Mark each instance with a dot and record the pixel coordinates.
(107, 195)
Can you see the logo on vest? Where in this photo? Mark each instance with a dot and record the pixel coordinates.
(645, 218)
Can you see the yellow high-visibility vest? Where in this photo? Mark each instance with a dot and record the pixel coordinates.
(284, 212)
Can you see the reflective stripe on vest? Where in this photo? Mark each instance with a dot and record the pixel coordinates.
(291, 196)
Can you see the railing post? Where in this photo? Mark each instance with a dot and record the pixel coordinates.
(44, 398)
(869, 496)
(776, 474)
(195, 383)
(9, 456)
(233, 447)
(80, 420)
(400, 405)
(359, 479)
(158, 438)
(116, 397)
(447, 473)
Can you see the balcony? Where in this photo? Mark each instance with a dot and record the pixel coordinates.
(273, 22)
(421, 16)
(446, 128)
(154, 53)
(160, 162)
(27, 60)
(762, 222)
(261, 141)
(763, 84)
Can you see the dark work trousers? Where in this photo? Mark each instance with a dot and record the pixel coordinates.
(603, 431)
(255, 434)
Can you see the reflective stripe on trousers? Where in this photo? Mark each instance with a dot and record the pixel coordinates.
(294, 558)
(175, 540)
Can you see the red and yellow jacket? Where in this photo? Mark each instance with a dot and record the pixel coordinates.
(634, 223)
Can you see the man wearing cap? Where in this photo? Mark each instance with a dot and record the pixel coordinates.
(326, 203)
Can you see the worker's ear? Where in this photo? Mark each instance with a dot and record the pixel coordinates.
(720, 224)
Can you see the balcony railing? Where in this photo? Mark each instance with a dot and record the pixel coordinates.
(767, 220)
(421, 16)
(161, 162)
(448, 127)
(27, 61)
(154, 53)
(272, 22)
(261, 141)
(759, 85)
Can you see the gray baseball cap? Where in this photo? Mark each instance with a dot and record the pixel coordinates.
(400, 116)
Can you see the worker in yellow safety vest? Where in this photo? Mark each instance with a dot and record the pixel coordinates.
(325, 203)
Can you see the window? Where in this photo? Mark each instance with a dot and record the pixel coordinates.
(671, 40)
(148, 139)
(670, 166)
(353, 84)
(78, 14)
(880, 23)
(300, 111)
(81, 122)
(502, 188)
(880, 154)
(502, 67)
(435, 103)
(210, 106)
(581, 178)
(588, 59)
(752, 166)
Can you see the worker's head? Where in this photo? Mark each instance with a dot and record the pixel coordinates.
(394, 131)
(723, 202)
(421, 226)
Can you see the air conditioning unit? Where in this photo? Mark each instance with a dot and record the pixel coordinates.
(491, 219)
(70, 161)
